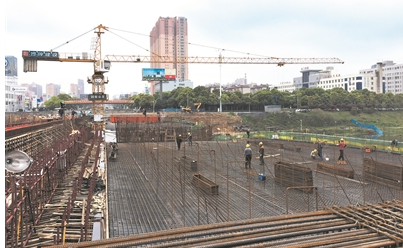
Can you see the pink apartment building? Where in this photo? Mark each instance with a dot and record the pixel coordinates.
(169, 37)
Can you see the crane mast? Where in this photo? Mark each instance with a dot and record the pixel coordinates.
(98, 80)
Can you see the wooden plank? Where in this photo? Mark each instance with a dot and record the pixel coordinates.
(333, 169)
(386, 174)
(205, 184)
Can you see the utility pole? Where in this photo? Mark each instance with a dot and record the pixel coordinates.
(220, 60)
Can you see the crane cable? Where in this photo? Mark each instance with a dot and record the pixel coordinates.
(134, 43)
(194, 44)
(72, 39)
(216, 48)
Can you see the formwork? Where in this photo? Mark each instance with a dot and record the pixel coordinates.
(390, 175)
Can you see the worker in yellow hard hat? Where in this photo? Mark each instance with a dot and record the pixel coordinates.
(342, 145)
(248, 156)
(261, 153)
(314, 154)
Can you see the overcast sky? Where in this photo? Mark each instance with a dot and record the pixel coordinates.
(360, 33)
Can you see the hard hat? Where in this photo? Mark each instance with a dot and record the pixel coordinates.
(342, 139)
(180, 135)
(188, 133)
(315, 150)
(247, 145)
(261, 143)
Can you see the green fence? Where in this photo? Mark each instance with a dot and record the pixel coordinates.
(377, 144)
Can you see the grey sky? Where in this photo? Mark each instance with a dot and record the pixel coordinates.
(358, 32)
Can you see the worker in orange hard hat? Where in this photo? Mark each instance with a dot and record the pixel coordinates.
(248, 156)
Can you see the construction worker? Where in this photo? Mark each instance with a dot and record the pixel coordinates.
(342, 145)
(190, 139)
(261, 153)
(248, 156)
(179, 141)
(319, 149)
(248, 133)
(314, 154)
(394, 142)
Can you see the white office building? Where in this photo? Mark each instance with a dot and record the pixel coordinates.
(171, 85)
(391, 73)
(329, 79)
(285, 86)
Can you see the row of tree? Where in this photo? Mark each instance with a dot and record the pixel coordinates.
(305, 98)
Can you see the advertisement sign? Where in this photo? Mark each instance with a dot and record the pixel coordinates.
(11, 66)
(158, 74)
(18, 88)
(93, 97)
(40, 55)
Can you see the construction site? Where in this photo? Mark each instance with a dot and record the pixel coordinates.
(125, 181)
(131, 186)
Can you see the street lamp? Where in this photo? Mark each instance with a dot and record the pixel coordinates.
(301, 124)
(335, 128)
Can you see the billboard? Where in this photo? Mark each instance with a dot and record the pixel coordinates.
(19, 88)
(158, 74)
(11, 66)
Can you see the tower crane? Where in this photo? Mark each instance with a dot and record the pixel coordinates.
(103, 64)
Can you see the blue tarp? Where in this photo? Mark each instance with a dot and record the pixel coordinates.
(378, 131)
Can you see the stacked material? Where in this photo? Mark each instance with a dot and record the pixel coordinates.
(334, 169)
(293, 175)
(205, 184)
(386, 174)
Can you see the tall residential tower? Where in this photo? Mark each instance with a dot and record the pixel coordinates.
(169, 37)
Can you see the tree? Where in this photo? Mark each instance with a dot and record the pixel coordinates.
(64, 97)
(52, 103)
(143, 100)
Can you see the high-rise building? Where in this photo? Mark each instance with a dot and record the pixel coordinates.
(35, 88)
(81, 89)
(74, 90)
(52, 89)
(14, 95)
(169, 37)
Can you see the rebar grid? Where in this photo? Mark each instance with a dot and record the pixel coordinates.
(53, 151)
(161, 193)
